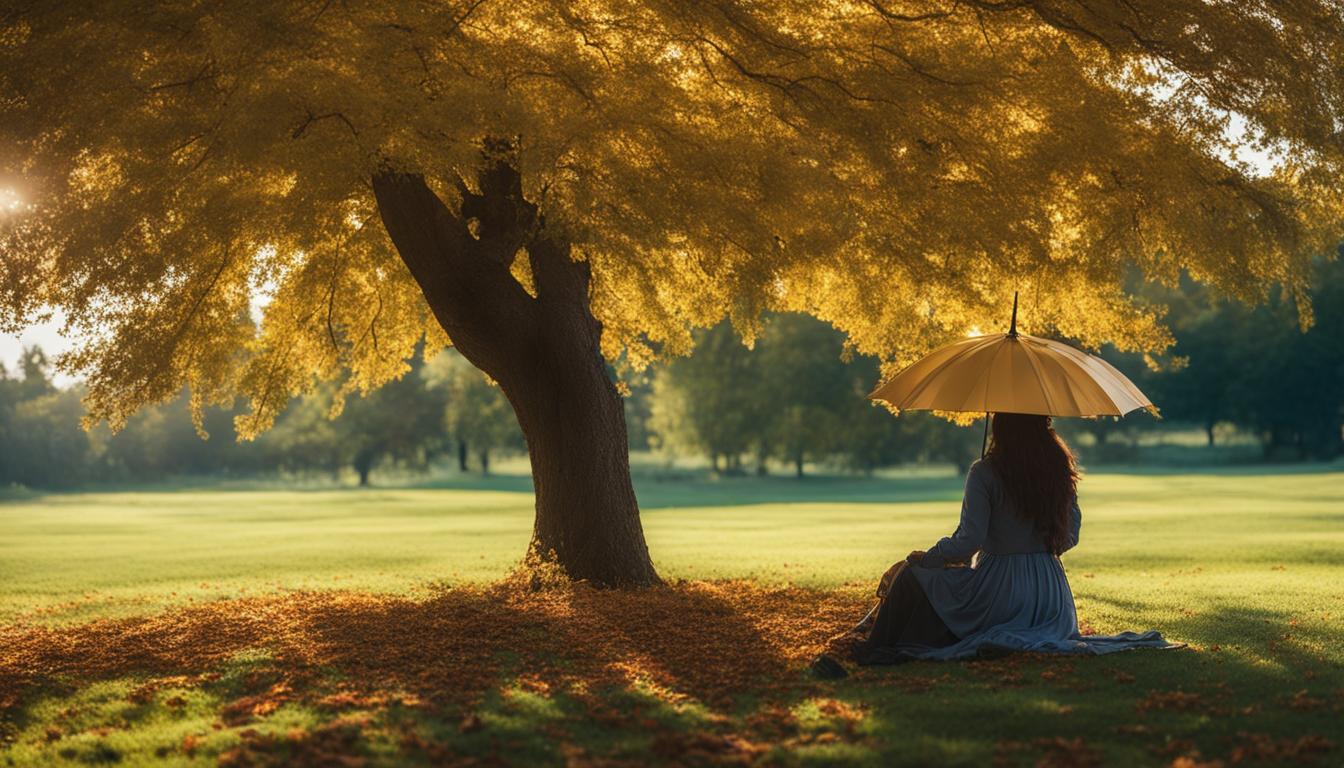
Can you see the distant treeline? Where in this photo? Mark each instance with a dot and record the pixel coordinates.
(793, 399)
(440, 408)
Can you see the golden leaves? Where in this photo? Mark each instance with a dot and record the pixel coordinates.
(897, 172)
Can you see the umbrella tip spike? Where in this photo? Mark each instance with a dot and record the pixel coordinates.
(1012, 329)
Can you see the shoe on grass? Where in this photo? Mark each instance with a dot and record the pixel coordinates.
(827, 668)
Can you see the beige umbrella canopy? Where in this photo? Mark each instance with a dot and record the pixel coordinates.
(1013, 373)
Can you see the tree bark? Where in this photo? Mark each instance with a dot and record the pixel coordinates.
(544, 352)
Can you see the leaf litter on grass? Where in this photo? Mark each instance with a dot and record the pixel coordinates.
(694, 672)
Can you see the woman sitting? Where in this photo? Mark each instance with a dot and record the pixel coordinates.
(996, 584)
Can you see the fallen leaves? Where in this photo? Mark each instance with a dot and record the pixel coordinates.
(1177, 700)
(1262, 747)
(1057, 752)
(1195, 761)
(334, 745)
(707, 748)
(1303, 701)
(707, 640)
(259, 705)
(712, 670)
(470, 724)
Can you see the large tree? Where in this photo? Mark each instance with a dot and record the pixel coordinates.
(545, 182)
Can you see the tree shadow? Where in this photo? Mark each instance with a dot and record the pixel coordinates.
(646, 669)
(709, 641)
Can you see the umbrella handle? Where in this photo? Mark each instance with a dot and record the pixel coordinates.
(984, 440)
(1012, 333)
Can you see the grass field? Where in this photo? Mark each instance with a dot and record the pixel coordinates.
(348, 627)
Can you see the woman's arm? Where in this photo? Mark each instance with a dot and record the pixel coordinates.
(974, 525)
(1075, 525)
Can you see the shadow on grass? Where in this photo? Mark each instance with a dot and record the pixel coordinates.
(697, 646)
(697, 673)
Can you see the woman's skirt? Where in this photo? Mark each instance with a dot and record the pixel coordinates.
(1010, 602)
(905, 620)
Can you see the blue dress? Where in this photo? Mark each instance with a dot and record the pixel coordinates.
(1015, 595)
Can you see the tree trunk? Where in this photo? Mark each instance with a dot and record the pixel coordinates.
(544, 352)
(484, 456)
(462, 455)
(798, 465)
(1208, 432)
(574, 422)
(363, 470)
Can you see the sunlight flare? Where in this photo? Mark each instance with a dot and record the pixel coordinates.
(11, 202)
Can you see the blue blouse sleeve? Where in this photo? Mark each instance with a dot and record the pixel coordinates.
(973, 528)
(1075, 525)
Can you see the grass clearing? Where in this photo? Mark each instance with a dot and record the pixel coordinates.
(267, 626)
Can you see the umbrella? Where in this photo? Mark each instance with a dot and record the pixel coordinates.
(1013, 373)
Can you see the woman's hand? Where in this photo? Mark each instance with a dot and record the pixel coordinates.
(915, 557)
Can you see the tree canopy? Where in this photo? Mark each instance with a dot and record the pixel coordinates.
(897, 168)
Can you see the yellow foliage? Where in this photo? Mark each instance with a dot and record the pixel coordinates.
(199, 175)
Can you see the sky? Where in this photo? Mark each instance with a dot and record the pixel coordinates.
(45, 335)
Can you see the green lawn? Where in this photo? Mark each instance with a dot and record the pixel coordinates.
(1246, 567)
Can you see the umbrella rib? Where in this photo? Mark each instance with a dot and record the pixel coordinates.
(928, 379)
(989, 370)
(1031, 358)
(1099, 371)
(1084, 391)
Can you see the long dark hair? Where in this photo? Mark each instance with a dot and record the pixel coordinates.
(1038, 472)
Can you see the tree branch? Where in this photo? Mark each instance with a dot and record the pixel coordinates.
(312, 118)
(557, 275)
(471, 291)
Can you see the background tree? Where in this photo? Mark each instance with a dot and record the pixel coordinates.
(1200, 391)
(477, 416)
(400, 422)
(561, 181)
(872, 438)
(305, 439)
(639, 408)
(806, 387)
(162, 441)
(1289, 386)
(41, 443)
(793, 396)
(712, 402)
